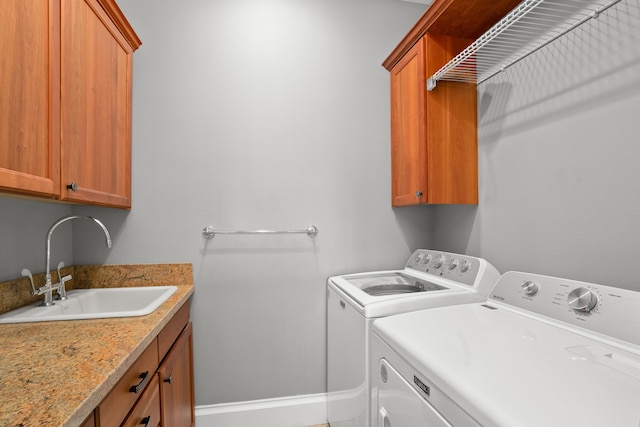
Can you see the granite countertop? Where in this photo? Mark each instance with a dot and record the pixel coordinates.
(55, 373)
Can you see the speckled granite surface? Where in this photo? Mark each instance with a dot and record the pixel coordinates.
(55, 373)
(97, 276)
(17, 293)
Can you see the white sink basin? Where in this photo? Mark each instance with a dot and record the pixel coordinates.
(95, 304)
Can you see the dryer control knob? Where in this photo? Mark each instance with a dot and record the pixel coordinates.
(438, 261)
(582, 299)
(530, 288)
(454, 263)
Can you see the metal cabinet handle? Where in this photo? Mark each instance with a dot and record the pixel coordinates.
(145, 421)
(144, 378)
(418, 193)
(73, 186)
(169, 379)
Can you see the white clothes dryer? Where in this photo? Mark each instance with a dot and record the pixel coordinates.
(541, 351)
(429, 279)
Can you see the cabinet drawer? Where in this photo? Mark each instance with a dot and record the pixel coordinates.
(122, 397)
(170, 333)
(147, 410)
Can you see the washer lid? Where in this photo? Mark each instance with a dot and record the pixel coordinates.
(391, 283)
(390, 290)
(507, 369)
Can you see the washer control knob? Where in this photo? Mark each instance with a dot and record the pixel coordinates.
(383, 373)
(426, 259)
(582, 299)
(466, 265)
(418, 258)
(530, 288)
(454, 263)
(438, 261)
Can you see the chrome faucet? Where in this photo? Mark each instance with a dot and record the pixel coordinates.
(48, 287)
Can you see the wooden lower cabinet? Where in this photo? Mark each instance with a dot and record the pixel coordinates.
(176, 387)
(90, 421)
(158, 388)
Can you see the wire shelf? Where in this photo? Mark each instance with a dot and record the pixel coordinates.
(530, 26)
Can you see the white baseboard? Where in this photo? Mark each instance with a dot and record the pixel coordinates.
(293, 411)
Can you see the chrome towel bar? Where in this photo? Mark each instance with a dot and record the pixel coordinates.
(209, 232)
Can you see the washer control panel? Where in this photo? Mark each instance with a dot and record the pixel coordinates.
(599, 308)
(460, 268)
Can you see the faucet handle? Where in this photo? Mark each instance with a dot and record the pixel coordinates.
(62, 292)
(58, 268)
(27, 273)
(62, 279)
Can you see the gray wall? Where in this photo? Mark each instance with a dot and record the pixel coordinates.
(250, 115)
(23, 229)
(558, 157)
(261, 115)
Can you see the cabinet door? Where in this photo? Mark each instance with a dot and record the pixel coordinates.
(451, 129)
(408, 123)
(176, 383)
(29, 104)
(90, 421)
(434, 152)
(95, 106)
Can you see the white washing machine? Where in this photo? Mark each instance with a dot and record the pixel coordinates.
(542, 351)
(429, 279)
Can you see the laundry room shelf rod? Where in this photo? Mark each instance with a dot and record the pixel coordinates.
(532, 25)
(209, 232)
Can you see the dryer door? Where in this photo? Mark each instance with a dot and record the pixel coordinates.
(400, 405)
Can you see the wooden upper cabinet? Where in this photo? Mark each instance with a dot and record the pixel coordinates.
(433, 134)
(30, 88)
(465, 19)
(434, 140)
(408, 120)
(65, 109)
(95, 106)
